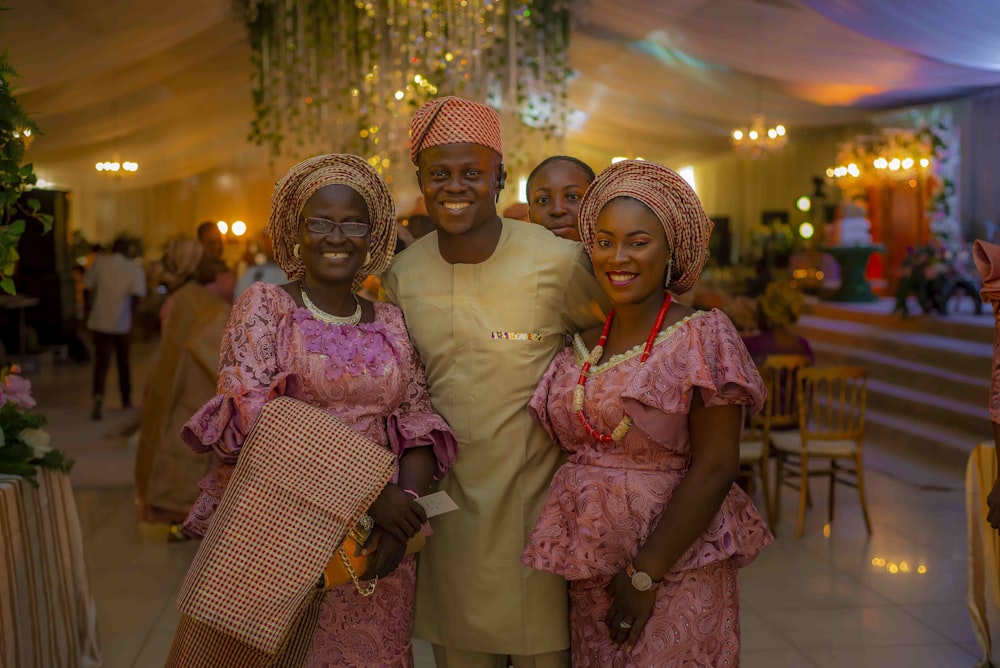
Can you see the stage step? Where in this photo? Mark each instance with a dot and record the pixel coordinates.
(968, 357)
(908, 435)
(964, 326)
(972, 390)
(928, 383)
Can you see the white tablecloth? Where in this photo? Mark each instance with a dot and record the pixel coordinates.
(47, 613)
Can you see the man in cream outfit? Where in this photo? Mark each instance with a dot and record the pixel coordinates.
(488, 303)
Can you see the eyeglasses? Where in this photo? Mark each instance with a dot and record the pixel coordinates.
(350, 228)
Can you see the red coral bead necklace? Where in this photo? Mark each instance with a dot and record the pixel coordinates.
(618, 433)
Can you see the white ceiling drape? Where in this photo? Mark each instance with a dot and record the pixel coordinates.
(167, 83)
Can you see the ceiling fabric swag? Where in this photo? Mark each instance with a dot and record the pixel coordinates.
(347, 75)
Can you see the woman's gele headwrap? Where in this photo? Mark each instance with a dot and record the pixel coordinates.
(303, 180)
(672, 201)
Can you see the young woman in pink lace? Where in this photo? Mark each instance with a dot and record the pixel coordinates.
(332, 222)
(644, 519)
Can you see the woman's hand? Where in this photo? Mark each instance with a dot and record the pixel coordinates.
(397, 513)
(388, 553)
(630, 607)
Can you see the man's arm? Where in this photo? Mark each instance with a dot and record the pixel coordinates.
(586, 303)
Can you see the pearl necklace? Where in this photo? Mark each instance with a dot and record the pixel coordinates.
(329, 318)
(618, 433)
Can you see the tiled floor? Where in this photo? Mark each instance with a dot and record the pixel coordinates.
(820, 601)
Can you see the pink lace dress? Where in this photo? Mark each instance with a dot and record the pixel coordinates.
(367, 375)
(607, 498)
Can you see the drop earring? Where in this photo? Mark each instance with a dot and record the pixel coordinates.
(295, 250)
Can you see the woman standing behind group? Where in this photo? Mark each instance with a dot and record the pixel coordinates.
(644, 519)
(332, 222)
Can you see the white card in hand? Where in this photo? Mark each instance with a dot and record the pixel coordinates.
(437, 503)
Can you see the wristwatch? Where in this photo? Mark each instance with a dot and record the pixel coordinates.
(640, 580)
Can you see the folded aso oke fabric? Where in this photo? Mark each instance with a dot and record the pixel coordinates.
(302, 479)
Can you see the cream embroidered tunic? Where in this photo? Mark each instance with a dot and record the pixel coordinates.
(486, 333)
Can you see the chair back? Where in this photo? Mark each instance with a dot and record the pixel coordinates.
(782, 390)
(832, 403)
(758, 427)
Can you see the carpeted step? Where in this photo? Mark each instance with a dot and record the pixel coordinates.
(971, 358)
(912, 435)
(974, 390)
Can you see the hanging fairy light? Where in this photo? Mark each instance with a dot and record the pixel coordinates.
(347, 75)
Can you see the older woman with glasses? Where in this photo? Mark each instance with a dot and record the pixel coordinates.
(333, 223)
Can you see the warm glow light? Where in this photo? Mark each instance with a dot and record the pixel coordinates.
(924, 162)
(853, 170)
(904, 567)
(618, 158)
(223, 227)
(907, 163)
(894, 165)
(100, 166)
(239, 228)
(921, 569)
(780, 129)
(772, 133)
(738, 135)
(819, 275)
(829, 172)
(400, 94)
(892, 568)
(687, 173)
(804, 203)
(753, 135)
(881, 163)
(806, 231)
(27, 132)
(826, 527)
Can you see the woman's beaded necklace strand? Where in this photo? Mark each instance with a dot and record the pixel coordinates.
(618, 433)
(329, 318)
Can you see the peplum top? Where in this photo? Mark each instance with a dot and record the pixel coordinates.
(607, 498)
(368, 375)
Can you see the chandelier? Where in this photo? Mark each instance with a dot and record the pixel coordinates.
(757, 138)
(347, 75)
(115, 167)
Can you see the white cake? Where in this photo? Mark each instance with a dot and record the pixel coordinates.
(853, 229)
(855, 232)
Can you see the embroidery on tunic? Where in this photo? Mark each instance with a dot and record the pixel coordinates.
(516, 336)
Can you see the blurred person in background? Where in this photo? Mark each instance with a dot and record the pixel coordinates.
(115, 284)
(210, 239)
(183, 379)
(263, 269)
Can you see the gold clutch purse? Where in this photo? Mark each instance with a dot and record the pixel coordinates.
(347, 565)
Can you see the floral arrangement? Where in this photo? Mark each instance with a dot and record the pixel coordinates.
(24, 445)
(932, 274)
(772, 241)
(16, 132)
(781, 304)
(928, 150)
